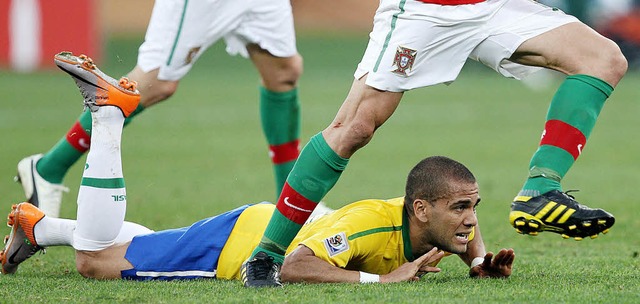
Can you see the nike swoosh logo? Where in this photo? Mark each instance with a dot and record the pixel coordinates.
(286, 202)
(82, 79)
(11, 261)
(83, 143)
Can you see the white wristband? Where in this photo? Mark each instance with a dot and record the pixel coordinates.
(366, 277)
(477, 261)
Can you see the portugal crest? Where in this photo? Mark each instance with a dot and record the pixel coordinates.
(404, 60)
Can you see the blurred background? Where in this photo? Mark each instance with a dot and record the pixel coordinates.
(32, 30)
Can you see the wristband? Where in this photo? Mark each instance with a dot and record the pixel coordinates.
(477, 261)
(366, 277)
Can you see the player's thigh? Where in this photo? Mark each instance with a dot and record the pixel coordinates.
(180, 31)
(574, 48)
(513, 26)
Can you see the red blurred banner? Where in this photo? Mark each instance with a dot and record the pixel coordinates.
(32, 31)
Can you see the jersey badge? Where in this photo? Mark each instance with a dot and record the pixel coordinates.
(191, 55)
(336, 244)
(404, 60)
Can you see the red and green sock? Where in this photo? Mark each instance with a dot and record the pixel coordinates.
(54, 164)
(571, 117)
(314, 174)
(280, 117)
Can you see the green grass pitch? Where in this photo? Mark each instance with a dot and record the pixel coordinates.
(202, 152)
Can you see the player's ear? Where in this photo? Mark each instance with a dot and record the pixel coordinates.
(421, 209)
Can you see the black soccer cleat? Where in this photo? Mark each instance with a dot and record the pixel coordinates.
(558, 212)
(261, 271)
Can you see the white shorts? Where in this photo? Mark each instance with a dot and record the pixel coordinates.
(180, 31)
(414, 44)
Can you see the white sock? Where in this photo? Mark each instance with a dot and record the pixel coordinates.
(129, 230)
(51, 231)
(102, 196)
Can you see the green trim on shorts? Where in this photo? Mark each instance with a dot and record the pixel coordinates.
(175, 42)
(394, 19)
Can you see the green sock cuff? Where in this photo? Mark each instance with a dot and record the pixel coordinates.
(335, 161)
(277, 96)
(595, 82)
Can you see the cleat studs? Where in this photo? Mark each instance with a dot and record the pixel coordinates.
(519, 231)
(534, 225)
(577, 238)
(594, 236)
(572, 227)
(533, 233)
(564, 236)
(605, 231)
(602, 222)
(586, 224)
(520, 223)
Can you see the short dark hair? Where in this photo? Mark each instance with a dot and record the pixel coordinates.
(431, 179)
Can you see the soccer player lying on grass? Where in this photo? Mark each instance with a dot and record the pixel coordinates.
(367, 241)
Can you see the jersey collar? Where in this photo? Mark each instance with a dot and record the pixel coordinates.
(408, 251)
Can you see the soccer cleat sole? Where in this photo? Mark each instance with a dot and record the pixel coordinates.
(525, 223)
(122, 93)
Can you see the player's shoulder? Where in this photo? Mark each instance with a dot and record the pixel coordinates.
(379, 208)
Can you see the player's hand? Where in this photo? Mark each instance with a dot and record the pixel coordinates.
(412, 271)
(494, 267)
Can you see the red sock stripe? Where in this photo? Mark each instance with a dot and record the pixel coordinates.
(78, 138)
(563, 135)
(284, 153)
(294, 206)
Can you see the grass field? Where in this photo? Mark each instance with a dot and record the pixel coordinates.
(202, 153)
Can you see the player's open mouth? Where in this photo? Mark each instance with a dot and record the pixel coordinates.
(463, 237)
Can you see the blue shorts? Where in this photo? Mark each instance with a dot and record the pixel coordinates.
(184, 253)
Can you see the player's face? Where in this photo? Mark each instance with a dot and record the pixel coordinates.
(452, 219)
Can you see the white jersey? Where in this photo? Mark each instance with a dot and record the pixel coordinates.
(414, 44)
(180, 31)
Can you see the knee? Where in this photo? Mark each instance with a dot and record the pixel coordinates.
(86, 265)
(346, 139)
(613, 63)
(156, 91)
(285, 74)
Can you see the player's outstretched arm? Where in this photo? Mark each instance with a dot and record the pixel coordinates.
(498, 266)
(303, 266)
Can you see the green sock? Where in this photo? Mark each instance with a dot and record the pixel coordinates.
(54, 164)
(571, 117)
(280, 117)
(316, 172)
